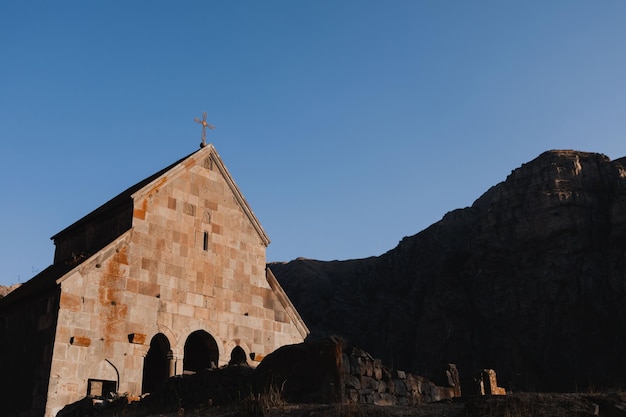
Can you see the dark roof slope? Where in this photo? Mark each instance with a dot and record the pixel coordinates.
(112, 205)
(46, 279)
(39, 284)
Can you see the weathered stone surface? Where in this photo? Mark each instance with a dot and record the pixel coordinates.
(80, 341)
(488, 383)
(305, 372)
(412, 386)
(169, 277)
(352, 396)
(378, 371)
(399, 387)
(311, 372)
(353, 381)
(382, 386)
(297, 373)
(528, 281)
(370, 383)
(385, 399)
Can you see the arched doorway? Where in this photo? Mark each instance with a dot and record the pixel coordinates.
(156, 364)
(238, 356)
(201, 352)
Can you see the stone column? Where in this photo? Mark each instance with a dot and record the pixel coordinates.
(172, 363)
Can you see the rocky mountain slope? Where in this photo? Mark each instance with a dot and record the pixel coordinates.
(529, 280)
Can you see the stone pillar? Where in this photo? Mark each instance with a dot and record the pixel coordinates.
(454, 380)
(488, 383)
(172, 363)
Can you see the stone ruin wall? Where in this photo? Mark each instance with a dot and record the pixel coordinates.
(367, 380)
(311, 368)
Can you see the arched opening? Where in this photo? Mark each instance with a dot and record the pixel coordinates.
(238, 356)
(201, 352)
(156, 364)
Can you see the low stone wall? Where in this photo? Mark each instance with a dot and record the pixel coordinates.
(310, 372)
(366, 380)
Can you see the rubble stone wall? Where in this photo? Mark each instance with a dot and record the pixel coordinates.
(366, 380)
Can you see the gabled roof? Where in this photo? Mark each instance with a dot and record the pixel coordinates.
(161, 178)
(43, 282)
(46, 280)
(121, 199)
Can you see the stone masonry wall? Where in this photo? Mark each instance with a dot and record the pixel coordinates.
(367, 380)
(194, 261)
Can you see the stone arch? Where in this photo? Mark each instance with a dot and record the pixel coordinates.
(201, 352)
(238, 356)
(200, 325)
(157, 363)
(172, 337)
(167, 332)
(237, 349)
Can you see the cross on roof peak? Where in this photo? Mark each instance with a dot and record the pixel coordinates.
(204, 126)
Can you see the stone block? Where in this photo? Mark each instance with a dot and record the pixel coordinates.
(132, 285)
(362, 360)
(137, 338)
(186, 310)
(356, 352)
(386, 374)
(454, 379)
(400, 374)
(377, 369)
(364, 392)
(412, 385)
(195, 299)
(441, 393)
(399, 388)
(369, 368)
(345, 364)
(202, 314)
(70, 301)
(352, 396)
(382, 386)
(385, 399)
(80, 341)
(370, 383)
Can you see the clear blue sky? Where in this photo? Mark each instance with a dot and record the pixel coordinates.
(347, 124)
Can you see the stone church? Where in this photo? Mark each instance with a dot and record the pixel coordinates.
(169, 277)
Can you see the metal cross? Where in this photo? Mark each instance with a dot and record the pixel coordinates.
(204, 126)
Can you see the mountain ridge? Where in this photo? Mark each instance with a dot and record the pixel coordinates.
(528, 280)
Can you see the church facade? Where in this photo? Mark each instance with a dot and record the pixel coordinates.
(169, 277)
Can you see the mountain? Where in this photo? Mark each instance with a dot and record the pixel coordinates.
(530, 281)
